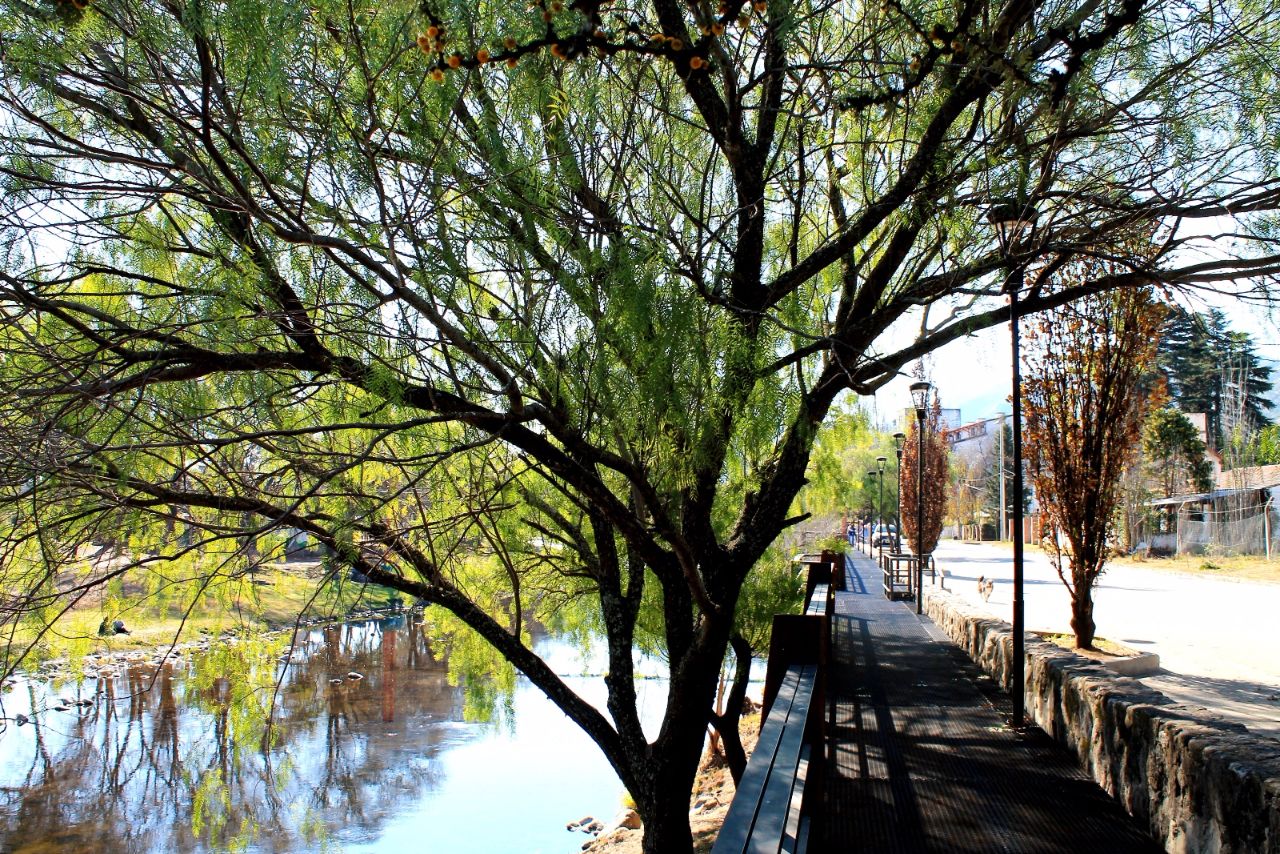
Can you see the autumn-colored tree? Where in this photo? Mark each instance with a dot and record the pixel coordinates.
(1084, 367)
(936, 481)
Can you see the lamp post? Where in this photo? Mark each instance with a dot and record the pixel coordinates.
(880, 461)
(875, 514)
(898, 439)
(1011, 221)
(920, 399)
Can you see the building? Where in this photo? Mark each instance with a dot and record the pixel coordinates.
(1239, 516)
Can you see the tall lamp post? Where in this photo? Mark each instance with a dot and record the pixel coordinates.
(880, 461)
(920, 399)
(875, 514)
(1011, 222)
(898, 439)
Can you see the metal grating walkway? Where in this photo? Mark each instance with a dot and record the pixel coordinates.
(922, 758)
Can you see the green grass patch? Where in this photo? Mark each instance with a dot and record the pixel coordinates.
(272, 597)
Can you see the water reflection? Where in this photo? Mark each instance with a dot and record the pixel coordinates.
(366, 732)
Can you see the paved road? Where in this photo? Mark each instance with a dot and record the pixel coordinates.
(1218, 639)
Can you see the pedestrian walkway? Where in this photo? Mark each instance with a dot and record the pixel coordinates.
(923, 759)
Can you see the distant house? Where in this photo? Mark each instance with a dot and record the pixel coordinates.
(1240, 516)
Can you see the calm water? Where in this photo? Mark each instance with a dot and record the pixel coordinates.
(178, 759)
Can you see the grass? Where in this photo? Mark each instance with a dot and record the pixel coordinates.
(1244, 567)
(270, 598)
(1100, 645)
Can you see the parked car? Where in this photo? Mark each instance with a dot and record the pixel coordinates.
(883, 536)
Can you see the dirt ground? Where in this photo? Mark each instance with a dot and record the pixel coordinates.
(713, 791)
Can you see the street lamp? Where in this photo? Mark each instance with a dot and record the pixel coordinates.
(920, 399)
(880, 461)
(1011, 222)
(898, 439)
(875, 513)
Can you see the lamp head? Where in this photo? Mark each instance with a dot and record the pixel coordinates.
(1011, 220)
(920, 398)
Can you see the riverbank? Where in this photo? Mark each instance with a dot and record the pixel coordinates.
(271, 597)
(712, 793)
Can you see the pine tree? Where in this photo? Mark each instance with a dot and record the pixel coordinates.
(1211, 369)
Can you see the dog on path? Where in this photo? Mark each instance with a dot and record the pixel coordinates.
(985, 586)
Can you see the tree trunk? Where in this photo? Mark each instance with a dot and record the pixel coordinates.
(729, 722)
(666, 826)
(1082, 615)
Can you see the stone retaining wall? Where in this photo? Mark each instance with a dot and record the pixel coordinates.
(1202, 785)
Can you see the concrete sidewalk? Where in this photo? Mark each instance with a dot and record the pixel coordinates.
(922, 759)
(1218, 638)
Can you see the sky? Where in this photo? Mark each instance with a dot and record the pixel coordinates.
(974, 374)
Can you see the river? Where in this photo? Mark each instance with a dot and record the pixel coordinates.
(177, 757)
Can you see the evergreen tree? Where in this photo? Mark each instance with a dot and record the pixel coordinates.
(1211, 369)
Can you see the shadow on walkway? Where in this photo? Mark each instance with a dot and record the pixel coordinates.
(923, 759)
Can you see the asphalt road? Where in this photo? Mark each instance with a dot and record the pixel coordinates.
(1218, 639)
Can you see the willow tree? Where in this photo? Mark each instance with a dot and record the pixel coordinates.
(1085, 369)
(515, 305)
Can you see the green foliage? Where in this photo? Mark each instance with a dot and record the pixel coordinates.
(537, 317)
(1269, 445)
(1214, 370)
(773, 587)
(1177, 453)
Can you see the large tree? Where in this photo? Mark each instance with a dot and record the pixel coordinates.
(1085, 366)
(510, 305)
(1212, 369)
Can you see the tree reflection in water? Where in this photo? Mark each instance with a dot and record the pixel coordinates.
(183, 759)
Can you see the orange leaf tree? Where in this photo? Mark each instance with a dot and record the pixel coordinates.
(1085, 364)
(936, 481)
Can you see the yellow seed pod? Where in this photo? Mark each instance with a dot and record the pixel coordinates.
(511, 62)
(454, 60)
(696, 62)
(437, 75)
(482, 56)
(433, 31)
(509, 43)
(677, 45)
